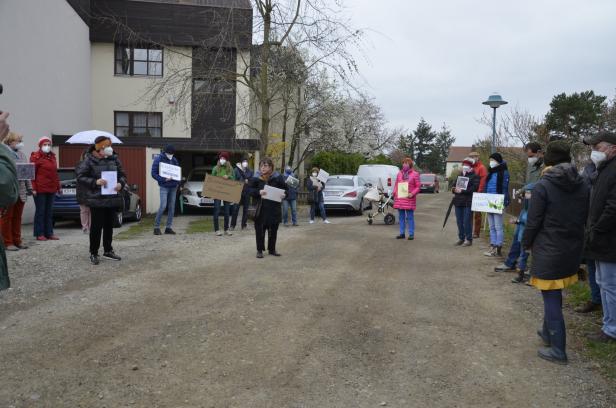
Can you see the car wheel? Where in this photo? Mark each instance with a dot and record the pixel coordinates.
(138, 212)
(119, 219)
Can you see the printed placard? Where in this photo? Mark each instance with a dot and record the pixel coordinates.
(403, 189)
(273, 193)
(462, 183)
(170, 171)
(323, 176)
(292, 182)
(488, 203)
(112, 180)
(25, 171)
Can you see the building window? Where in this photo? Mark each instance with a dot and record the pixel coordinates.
(212, 86)
(137, 61)
(138, 124)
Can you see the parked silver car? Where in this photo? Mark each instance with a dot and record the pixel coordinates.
(345, 192)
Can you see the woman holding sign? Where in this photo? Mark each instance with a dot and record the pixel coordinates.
(315, 188)
(405, 192)
(223, 169)
(268, 190)
(101, 176)
(497, 183)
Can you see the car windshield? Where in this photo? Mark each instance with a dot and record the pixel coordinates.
(345, 182)
(427, 178)
(197, 175)
(66, 175)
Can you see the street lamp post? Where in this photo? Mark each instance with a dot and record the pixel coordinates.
(494, 101)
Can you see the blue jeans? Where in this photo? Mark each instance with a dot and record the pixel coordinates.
(497, 234)
(235, 211)
(227, 209)
(517, 257)
(167, 201)
(465, 227)
(407, 217)
(595, 291)
(606, 279)
(313, 210)
(43, 215)
(286, 204)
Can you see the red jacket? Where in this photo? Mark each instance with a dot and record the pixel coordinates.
(480, 170)
(46, 179)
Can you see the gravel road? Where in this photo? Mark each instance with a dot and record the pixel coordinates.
(347, 317)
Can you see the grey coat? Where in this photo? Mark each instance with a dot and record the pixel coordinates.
(25, 186)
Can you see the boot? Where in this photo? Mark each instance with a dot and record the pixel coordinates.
(558, 339)
(520, 278)
(544, 335)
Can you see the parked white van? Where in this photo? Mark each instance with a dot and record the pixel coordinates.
(379, 175)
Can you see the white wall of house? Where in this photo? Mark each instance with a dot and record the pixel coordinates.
(112, 92)
(151, 185)
(45, 71)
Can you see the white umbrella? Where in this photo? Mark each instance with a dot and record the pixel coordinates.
(88, 137)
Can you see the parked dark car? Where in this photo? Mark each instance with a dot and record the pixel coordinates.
(65, 206)
(429, 183)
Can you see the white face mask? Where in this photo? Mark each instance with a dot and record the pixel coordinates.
(314, 174)
(19, 146)
(493, 164)
(46, 148)
(466, 169)
(108, 151)
(598, 157)
(223, 162)
(169, 156)
(532, 160)
(245, 164)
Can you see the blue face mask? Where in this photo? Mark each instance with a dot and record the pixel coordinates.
(288, 171)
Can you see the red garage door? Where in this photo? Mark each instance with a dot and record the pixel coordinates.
(132, 158)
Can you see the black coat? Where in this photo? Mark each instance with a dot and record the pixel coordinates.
(271, 211)
(555, 225)
(601, 226)
(89, 170)
(317, 195)
(465, 198)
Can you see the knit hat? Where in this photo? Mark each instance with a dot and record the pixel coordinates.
(497, 156)
(557, 152)
(223, 155)
(42, 140)
(170, 149)
(468, 161)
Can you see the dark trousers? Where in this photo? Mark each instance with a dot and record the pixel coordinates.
(102, 221)
(244, 203)
(5, 282)
(226, 208)
(465, 228)
(43, 216)
(272, 233)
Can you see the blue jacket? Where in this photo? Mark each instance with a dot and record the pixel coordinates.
(492, 184)
(292, 191)
(243, 175)
(161, 180)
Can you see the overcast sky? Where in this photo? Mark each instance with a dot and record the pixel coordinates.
(441, 58)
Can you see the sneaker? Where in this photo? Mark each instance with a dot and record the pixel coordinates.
(467, 243)
(219, 233)
(259, 254)
(311, 222)
(157, 231)
(94, 259)
(274, 253)
(491, 252)
(401, 236)
(601, 337)
(326, 222)
(459, 242)
(504, 268)
(41, 238)
(411, 237)
(296, 225)
(22, 246)
(12, 248)
(53, 238)
(228, 233)
(169, 231)
(111, 255)
(588, 307)
(85, 230)
(285, 224)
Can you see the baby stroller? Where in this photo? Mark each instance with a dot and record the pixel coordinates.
(382, 204)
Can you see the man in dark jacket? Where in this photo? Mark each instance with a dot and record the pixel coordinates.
(555, 233)
(601, 228)
(463, 200)
(103, 204)
(9, 192)
(242, 173)
(291, 201)
(168, 189)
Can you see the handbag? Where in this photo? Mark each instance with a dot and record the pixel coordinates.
(254, 210)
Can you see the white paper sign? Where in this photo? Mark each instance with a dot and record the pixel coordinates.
(166, 170)
(25, 171)
(292, 182)
(323, 176)
(273, 193)
(488, 203)
(112, 180)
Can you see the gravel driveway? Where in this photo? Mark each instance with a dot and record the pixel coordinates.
(348, 317)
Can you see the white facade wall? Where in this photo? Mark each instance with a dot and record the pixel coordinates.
(151, 185)
(45, 71)
(112, 92)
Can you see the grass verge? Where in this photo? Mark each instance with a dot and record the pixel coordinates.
(135, 230)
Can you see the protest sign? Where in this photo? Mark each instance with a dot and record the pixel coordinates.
(323, 176)
(462, 183)
(166, 170)
(292, 182)
(273, 193)
(220, 188)
(403, 189)
(488, 203)
(25, 171)
(112, 180)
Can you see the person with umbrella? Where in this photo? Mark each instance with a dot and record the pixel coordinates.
(103, 207)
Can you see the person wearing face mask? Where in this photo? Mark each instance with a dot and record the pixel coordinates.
(406, 205)
(600, 237)
(222, 169)
(45, 185)
(168, 189)
(103, 207)
(497, 183)
(242, 173)
(290, 202)
(315, 196)
(480, 170)
(10, 223)
(462, 200)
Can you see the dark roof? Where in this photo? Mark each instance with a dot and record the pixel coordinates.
(243, 4)
(458, 153)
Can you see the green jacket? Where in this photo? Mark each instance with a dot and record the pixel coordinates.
(226, 170)
(9, 187)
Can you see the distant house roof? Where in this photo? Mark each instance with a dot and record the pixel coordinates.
(458, 153)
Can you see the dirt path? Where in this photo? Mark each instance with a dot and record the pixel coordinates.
(348, 317)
